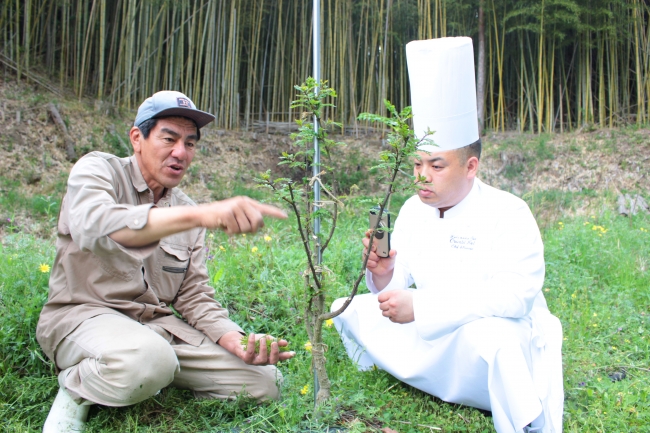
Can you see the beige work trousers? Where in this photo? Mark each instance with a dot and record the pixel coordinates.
(115, 361)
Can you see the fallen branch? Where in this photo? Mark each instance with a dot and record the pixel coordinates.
(68, 142)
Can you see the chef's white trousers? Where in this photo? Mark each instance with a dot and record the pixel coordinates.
(485, 363)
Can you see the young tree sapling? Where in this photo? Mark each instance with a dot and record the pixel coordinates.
(312, 97)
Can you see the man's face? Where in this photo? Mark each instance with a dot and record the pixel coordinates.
(167, 153)
(446, 179)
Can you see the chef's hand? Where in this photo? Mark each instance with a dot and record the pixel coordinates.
(231, 341)
(379, 266)
(397, 305)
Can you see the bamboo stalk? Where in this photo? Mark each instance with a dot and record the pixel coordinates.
(601, 81)
(27, 34)
(540, 74)
(85, 52)
(102, 44)
(16, 53)
(550, 121)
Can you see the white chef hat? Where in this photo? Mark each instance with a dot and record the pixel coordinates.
(443, 92)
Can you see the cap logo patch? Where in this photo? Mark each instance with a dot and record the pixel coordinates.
(183, 102)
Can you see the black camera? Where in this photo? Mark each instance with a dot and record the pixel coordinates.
(382, 235)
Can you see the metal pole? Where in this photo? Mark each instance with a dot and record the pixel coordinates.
(316, 165)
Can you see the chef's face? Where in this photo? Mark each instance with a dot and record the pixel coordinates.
(166, 154)
(446, 177)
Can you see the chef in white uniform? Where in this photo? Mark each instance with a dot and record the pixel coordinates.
(457, 309)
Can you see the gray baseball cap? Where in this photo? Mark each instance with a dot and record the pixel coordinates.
(171, 103)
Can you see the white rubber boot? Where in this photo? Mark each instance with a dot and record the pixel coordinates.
(65, 416)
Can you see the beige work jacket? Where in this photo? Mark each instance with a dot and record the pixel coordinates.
(93, 275)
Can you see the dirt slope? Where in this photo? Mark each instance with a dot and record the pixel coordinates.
(32, 150)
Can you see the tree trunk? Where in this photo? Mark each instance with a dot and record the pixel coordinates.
(315, 332)
(480, 85)
(318, 357)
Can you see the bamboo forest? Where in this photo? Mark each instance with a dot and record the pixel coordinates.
(551, 65)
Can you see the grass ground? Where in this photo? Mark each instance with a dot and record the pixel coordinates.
(597, 283)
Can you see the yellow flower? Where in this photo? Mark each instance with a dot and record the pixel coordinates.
(627, 341)
(211, 235)
(254, 250)
(268, 238)
(595, 314)
(565, 339)
(329, 323)
(243, 234)
(601, 229)
(304, 390)
(599, 379)
(44, 268)
(546, 290)
(308, 346)
(643, 230)
(595, 325)
(614, 348)
(222, 248)
(573, 295)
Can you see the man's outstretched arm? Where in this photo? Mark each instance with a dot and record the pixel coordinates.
(233, 215)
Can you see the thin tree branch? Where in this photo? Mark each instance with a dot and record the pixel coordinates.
(333, 314)
(305, 240)
(331, 233)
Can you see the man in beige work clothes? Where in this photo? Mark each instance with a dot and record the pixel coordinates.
(131, 246)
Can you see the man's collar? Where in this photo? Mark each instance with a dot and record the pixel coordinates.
(464, 203)
(141, 185)
(136, 175)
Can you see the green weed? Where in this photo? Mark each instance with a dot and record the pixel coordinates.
(597, 283)
(117, 145)
(14, 201)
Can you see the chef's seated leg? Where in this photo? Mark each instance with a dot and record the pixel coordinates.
(503, 346)
(491, 334)
(356, 352)
(114, 361)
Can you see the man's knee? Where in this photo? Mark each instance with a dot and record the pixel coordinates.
(138, 369)
(270, 384)
(264, 383)
(259, 382)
